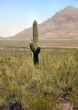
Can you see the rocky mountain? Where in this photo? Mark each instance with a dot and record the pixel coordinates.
(63, 25)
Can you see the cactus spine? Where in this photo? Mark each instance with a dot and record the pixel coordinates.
(35, 44)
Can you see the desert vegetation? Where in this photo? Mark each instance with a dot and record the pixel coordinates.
(39, 83)
(42, 87)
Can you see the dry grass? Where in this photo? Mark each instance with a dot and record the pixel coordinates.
(39, 87)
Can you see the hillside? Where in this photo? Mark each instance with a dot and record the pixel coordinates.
(63, 25)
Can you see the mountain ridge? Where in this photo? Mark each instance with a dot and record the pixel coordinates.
(63, 25)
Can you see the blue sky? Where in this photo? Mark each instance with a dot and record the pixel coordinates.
(17, 15)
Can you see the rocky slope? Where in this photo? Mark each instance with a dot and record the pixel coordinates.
(63, 25)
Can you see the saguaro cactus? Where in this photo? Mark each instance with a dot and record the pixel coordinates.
(35, 44)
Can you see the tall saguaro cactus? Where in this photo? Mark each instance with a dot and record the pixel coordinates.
(35, 44)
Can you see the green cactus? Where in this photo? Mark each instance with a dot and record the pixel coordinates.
(35, 44)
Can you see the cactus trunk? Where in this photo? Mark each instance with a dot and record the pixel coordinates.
(35, 34)
(35, 44)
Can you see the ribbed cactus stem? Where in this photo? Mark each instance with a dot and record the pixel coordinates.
(35, 44)
(35, 34)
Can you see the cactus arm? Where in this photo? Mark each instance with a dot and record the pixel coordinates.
(32, 47)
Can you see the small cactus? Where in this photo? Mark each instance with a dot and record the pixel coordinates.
(35, 44)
